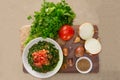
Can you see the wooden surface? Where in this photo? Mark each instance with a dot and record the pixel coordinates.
(24, 32)
(71, 49)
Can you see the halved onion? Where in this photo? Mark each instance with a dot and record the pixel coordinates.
(86, 31)
(93, 46)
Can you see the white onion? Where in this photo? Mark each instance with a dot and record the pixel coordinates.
(86, 31)
(92, 46)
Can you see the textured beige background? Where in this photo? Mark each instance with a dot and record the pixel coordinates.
(104, 13)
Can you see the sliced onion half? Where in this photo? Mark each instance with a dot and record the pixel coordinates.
(93, 46)
(86, 31)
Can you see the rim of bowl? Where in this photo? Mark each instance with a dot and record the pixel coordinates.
(91, 65)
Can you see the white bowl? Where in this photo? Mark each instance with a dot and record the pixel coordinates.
(91, 65)
(29, 68)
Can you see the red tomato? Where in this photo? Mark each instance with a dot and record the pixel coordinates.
(40, 58)
(66, 32)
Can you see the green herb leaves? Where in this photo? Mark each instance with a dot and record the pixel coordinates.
(47, 21)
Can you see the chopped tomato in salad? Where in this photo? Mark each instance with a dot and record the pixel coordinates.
(40, 58)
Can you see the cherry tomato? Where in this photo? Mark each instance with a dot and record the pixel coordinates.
(66, 32)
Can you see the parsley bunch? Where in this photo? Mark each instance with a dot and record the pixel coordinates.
(47, 21)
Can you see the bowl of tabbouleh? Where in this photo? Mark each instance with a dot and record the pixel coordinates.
(42, 58)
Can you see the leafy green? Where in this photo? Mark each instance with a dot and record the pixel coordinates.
(29, 17)
(52, 51)
(47, 21)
